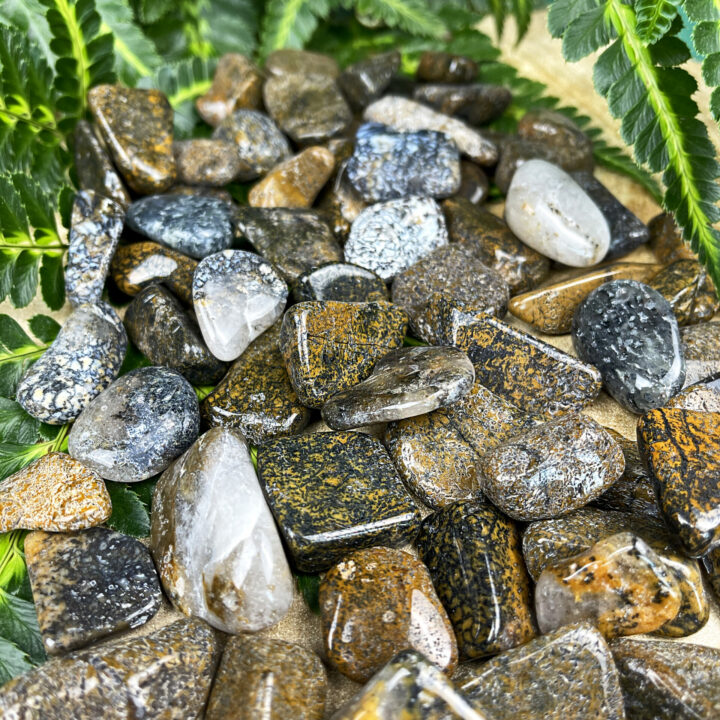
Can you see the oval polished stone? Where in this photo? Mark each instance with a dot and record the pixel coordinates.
(289, 60)
(138, 426)
(376, 603)
(82, 361)
(474, 183)
(343, 282)
(473, 554)
(628, 331)
(701, 350)
(442, 67)
(364, 81)
(552, 214)
(203, 161)
(478, 103)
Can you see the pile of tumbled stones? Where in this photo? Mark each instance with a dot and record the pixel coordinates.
(455, 500)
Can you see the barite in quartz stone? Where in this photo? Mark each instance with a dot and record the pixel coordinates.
(376, 603)
(137, 126)
(404, 383)
(364, 81)
(138, 265)
(258, 142)
(568, 674)
(701, 350)
(54, 493)
(406, 115)
(629, 332)
(88, 585)
(289, 61)
(552, 214)
(203, 161)
(280, 680)
(331, 346)
(666, 240)
(166, 335)
(620, 584)
(343, 282)
(82, 361)
(237, 295)
(477, 103)
(702, 397)
(95, 229)
(194, 225)
(474, 183)
(389, 237)
(386, 165)
(135, 428)
(442, 67)
(294, 240)
(551, 469)
(296, 181)
(214, 540)
(166, 674)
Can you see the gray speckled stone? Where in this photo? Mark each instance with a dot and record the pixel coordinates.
(195, 225)
(83, 360)
(629, 332)
(340, 281)
(138, 426)
(386, 164)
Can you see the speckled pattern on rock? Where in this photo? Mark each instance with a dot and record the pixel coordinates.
(701, 349)
(442, 67)
(477, 103)
(343, 282)
(701, 397)
(332, 493)
(364, 81)
(203, 161)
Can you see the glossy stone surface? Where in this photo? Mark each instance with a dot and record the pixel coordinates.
(82, 361)
(477, 103)
(566, 675)
(389, 237)
(474, 183)
(88, 585)
(54, 493)
(551, 469)
(364, 81)
(237, 295)
(376, 603)
(386, 165)
(474, 557)
(332, 493)
(404, 383)
(166, 335)
(516, 151)
(341, 202)
(551, 213)
(203, 161)
(165, 674)
(701, 350)
(343, 282)
(666, 240)
(628, 331)
(214, 540)
(441, 67)
(711, 565)
(137, 126)
(296, 181)
(703, 397)
(288, 61)
(279, 681)
(135, 428)
(194, 225)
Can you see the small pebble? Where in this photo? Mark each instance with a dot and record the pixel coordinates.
(666, 240)
(206, 162)
(701, 350)
(344, 282)
(477, 103)
(444, 67)
(474, 183)
(303, 62)
(364, 81)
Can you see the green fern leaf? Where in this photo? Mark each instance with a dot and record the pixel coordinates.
(706, 43)
(585, 34)
(563, 12)
(28, 17)
(654, 18)
(412, 16)
(290, 23)
(232, 25)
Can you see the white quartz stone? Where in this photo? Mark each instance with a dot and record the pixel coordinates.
(552, 214)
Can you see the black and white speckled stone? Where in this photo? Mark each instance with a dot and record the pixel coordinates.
(97, 223)
(343, 282)
(195, 225)
(83, 360)
(387, 164)
(629, 332)
(391, 236)
(364, 81)
(138, 426)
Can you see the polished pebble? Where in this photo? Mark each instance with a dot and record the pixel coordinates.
(711, 565)
(289, 61)
(364, 81)
(340, 202)
(666, 240)
(701, 350)
(701, 397)
(203, 161)
(515, 151)
(343, 282)
(442, 67)
(474, 183)
(477, 103)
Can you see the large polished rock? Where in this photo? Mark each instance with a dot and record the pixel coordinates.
(478, 103)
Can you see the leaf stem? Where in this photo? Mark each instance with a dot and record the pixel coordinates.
(59, 441)
(79, 50)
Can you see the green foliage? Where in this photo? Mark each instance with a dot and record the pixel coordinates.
(130, 515)
(290, 23)
(654, 18)
(706, 43)
(309, 588)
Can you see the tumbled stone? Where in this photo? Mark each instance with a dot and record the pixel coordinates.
(703, 397)
(94, 168)
(552, 214)
(515, 151)
(389, 237)
(236, 84)
(166, 335)
(294, 182)
(566, 675)
(88, 585)
(279, 681)
(166, 674)
(444, 67)
(666, 240)
(386, 165)
(206, 162)
(82, 361)
(258, 142)
(203, 191)
(477, 103)
(341, 203)
(711, 564)
(550, 309)
(364, 81)
(474, 183)
(620, 584)
(404, 383)
(629, 332)
(409, 116)
(376, 603)
(332, 493)
(135, 428)
(141, 264)
(330, 346)
(194, 225)
(54, 493)
(237, 295)
(214, 540)
(289, 61)
(344, 282)
(294, 240)
(490, 239)
(137, 126)
(701, 350)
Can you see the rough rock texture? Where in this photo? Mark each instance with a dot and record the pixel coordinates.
(203, 161)
(364, 81)
(344, 282)
(477, 103)
(701, 350)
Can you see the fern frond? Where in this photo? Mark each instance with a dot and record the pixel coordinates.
(654, 18)
(28, 16)
(412, 16)
(290, 23)
(706, 43)
(231, 25)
